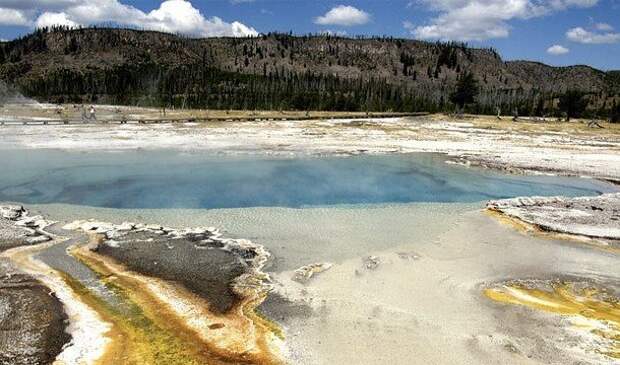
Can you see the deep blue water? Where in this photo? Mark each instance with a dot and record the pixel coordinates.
(170, 179)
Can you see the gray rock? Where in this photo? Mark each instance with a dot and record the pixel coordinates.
(593, 217)
(37, 239)
(17, 228)
(11, 212)
(371, 262)
(305, 273)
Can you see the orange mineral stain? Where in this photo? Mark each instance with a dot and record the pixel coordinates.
(526, 228)
(167, 324)
(590, 309)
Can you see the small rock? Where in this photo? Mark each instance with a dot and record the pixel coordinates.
(11, 212)
(37, 239)
(408, 255)
(113, 243)
(125, 226)
(511, 348)
(114, 234)
(93, 245)
(305, 273)
(371, 262)
(216, 326)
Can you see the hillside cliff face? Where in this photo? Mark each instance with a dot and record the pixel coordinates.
(281, 71)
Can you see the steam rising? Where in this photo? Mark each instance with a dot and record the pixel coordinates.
(9, 95)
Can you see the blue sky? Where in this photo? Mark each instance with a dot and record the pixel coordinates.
(558, 32)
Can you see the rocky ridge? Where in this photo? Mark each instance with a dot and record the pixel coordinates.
(126, 66)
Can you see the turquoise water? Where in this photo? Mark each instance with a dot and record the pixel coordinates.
(171, 179)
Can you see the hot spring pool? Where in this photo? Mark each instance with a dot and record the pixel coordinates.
(172, 179)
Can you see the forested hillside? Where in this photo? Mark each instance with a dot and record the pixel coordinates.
(280, 71)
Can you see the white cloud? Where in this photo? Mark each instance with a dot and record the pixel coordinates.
(604, 27)
(176, 16)
(344, 15)
(581, 35)
(466, 20)
(13, 17)
(49, 19)
(563, 4)
(557, 50)
(179, 16)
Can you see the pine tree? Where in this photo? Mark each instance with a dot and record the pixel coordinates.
(573, 103)
(466, 90)
(615, 113)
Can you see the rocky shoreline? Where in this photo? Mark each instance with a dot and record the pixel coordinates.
(596, 218)
(227, 271)
(33, 322)
(213, 282)
(17, 228)
(529, 167)
(206, 283)
(32, 319)
(562, 149)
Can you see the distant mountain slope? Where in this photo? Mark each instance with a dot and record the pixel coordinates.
(282, 71)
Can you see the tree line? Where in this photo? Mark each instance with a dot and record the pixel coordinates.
(194, 86)
(199, 86)
(263, 77)
(570, 104)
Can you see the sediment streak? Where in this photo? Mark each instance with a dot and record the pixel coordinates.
(87, 329)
